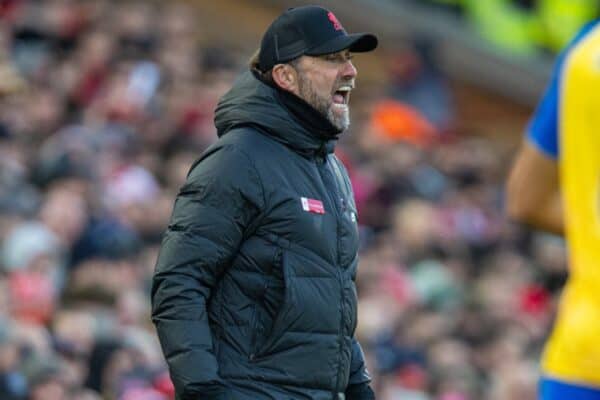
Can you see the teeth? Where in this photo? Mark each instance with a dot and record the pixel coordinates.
(345, 89)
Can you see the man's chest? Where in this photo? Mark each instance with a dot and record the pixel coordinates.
(311, 205)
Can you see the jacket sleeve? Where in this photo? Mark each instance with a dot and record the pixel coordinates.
(220, 198)
(358, 368)
(358, 385)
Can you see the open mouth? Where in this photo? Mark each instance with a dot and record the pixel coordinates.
(341, 96)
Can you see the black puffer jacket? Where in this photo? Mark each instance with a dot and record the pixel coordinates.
(254, 294)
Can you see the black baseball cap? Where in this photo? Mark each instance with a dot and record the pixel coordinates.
(308, 30)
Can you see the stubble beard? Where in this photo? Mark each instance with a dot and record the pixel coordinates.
(340, 120)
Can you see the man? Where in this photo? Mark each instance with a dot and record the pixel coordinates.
(254, 294)
(555, 186)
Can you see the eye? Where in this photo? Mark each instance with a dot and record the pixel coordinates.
(332, 57)
(338, 57)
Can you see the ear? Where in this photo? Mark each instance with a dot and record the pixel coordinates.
(285, 77)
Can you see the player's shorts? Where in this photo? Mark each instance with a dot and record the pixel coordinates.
(552, 389)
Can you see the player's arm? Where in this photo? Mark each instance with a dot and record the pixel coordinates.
(532, 191)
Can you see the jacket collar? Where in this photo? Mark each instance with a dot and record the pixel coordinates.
(278, 114)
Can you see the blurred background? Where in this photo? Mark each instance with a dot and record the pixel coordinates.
(105, 104)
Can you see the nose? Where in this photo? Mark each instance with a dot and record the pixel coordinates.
(349, 71)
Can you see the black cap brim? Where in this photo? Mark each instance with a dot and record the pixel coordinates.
(355, 42)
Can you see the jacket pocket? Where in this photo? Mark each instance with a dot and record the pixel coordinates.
(260, 312)
(254, 331)
(264, 336)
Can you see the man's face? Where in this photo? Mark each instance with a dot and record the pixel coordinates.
(325, 83)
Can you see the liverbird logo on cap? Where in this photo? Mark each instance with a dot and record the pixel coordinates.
(336, 24)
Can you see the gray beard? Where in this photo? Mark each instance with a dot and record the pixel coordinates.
(322, 105)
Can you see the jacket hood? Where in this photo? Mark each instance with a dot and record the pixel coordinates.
(276, 113)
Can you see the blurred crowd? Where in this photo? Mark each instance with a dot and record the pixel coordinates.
(104, 105)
